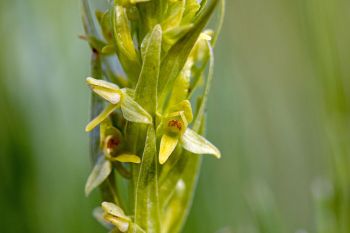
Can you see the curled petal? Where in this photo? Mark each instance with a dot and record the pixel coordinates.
(114, 210)
(108, 91)
(197, 144)
(167, 146)
(101, 117)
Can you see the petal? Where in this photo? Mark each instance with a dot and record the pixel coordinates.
(197, 144)
(101, 117)
(127, 158)
(99, 173)
(114, 210)
(133, 112)
(121, 224)
(106, 90)
(92, 82)
(167, 146)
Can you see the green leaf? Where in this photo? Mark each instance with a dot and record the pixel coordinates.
(186, 169)
(126, 51)
(146, 88)
(133, 112)
(146, 199)
(197, 144)
(177, 56)
(99, 173)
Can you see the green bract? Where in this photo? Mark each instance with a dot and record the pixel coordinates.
(148, 64)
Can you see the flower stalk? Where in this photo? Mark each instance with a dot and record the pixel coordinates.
(148, 116)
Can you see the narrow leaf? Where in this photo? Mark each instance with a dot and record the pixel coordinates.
(99, 173)
(177, 55)
(146, 88)
(146, 199)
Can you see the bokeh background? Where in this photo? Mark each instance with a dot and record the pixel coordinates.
(278, 110)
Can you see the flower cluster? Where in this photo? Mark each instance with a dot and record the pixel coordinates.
(148, 69)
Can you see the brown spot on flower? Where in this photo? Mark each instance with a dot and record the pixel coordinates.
(175, 123)
(112, 143)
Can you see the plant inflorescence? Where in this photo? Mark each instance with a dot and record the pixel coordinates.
(150, 88)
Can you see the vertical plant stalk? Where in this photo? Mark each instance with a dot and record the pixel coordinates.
(144, 136)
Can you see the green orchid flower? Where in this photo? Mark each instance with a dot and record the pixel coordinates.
(113, 146)
(117, 98)
(175, 131)
(116, 216)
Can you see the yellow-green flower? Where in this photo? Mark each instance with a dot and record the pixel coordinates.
(175, 130)
(116, 216)
(113, 147)
(117, 98)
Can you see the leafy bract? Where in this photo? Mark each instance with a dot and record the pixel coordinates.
(133, 112)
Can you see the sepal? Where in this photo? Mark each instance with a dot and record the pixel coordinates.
(197, 144)
(99, 173)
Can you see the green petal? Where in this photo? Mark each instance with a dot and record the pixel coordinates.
(167, 146)
(133, 112)
(101, 117)
(197, 144)
(121, 224)
(106, 90)
(99, 173)
(114, 210)
(127, 158)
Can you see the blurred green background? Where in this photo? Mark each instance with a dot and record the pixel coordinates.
(278, 110)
